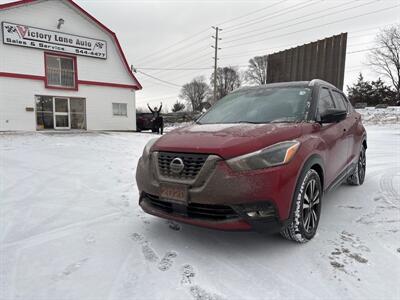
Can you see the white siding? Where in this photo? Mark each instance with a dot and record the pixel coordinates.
(98, 105)
(17, 94)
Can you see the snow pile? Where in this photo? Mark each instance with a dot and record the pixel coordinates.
(372, 115)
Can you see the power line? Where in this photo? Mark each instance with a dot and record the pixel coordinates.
(313, 27)
(186, 74)
(253, 12)
(173, 69)
(271, 16)
(174, 51)
(358, 51)
(184, 63)
(187, 62)
(152, 54)
(173, 45)
(301, 22)
(241, 54)
(246, 65)
(158, 79)
(264, 49)
(301, 17)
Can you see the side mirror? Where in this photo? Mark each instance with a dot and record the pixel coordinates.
(333, 116)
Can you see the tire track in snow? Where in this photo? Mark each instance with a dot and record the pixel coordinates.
(386, 184)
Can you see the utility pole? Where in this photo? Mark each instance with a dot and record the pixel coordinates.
(216, 38)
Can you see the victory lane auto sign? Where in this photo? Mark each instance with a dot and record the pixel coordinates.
(32, 37)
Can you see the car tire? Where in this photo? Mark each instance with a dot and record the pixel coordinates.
(358, 175)
(303, 222)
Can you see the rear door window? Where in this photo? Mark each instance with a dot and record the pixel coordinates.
(348, 104)
(339, 101)
(325, 101)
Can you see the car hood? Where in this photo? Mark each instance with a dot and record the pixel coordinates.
(226, 140)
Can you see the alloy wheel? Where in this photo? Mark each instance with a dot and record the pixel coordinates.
(311, 206)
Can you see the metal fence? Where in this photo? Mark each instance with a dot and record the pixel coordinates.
(324, 59)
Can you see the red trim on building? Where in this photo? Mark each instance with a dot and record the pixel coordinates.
(101, 25)
(83, 82)
(22, 76)
(57, 54)
(16, 3)
(110, 84)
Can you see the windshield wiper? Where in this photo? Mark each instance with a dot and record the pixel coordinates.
(249, 122)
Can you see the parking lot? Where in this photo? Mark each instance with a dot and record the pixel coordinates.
(70, 228)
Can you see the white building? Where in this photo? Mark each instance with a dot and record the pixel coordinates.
(60, 68)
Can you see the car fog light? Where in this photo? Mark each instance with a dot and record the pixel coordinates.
(252, 214)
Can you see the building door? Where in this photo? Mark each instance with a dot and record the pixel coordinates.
(77, 113)
(61, 113)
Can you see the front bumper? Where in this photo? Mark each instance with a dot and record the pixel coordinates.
(211, 216)
(219, 186)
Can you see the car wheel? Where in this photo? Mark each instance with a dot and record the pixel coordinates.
(358, 175)
(303, 223)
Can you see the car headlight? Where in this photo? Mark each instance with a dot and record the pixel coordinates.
(275, 155)
(146, 150)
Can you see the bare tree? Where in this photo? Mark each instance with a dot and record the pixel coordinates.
(257, 71)
(195, 92)
(228, 79)
(385, 58)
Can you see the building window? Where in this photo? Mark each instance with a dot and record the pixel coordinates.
(44, 112)
(120, 109)
(60, 71)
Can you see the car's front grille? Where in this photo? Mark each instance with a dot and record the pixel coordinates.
(193, 210)
(192, 164)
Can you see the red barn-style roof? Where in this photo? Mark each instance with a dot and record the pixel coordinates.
(137, 85)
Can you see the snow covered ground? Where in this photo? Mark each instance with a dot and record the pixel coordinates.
(70, 228)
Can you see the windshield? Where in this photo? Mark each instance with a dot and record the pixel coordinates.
(264, 105)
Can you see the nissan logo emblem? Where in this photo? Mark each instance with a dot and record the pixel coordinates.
(176, 165)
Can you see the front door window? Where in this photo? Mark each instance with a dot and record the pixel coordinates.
(61, 113)
(44, 112)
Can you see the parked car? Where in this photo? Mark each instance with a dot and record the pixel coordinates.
(261, 158)
(144, 122)
(360, 105)
(382, 105)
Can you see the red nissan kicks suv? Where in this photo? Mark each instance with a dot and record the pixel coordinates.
(261, 158)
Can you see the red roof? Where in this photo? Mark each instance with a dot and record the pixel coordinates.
(101, 25)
